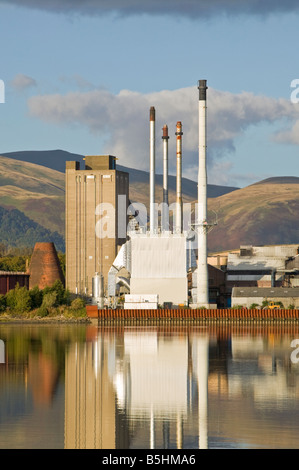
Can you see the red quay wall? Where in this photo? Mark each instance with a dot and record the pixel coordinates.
(193, 314)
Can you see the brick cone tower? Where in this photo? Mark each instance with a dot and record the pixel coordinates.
(44, 267)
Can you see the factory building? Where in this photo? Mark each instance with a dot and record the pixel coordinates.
(248, 296)
(159, 266)
(96, 206)
(10, 279)
(262, 266)
(156, 259)
(250, 269)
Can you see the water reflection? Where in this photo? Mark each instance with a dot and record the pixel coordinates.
(182, 388)
(158, 387)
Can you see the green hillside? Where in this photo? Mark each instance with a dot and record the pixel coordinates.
(35, 190)
(261, 214)
(17, 230)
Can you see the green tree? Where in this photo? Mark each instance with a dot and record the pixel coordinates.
(2, 303)
(253, 306)
(36, 296)
(62, 295)
(18, 299)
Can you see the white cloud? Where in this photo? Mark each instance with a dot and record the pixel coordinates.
(123, 120)
(21, 82)
(289, 136)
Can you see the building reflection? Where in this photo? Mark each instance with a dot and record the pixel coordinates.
(135, 389)
(159, 387)
(167, 388)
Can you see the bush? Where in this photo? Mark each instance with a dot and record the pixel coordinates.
(2, 303)
(62, 295)
(253, 306)
(42, 311)
(77, 304)
(18, 299)
(36, 296)
(49, 300)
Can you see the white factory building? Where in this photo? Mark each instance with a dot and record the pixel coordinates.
(155, 260)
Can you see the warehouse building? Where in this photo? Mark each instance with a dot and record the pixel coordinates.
(248, 296)
(9, 280)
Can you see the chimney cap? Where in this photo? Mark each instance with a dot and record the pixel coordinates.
(152, 113)
(202, 87)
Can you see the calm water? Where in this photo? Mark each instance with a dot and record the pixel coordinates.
(158, 387)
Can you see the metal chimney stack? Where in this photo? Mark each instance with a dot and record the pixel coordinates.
(165, 211)
(152, 169)
(179, 206)
(202, 264)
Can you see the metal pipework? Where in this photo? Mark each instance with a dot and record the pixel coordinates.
(202, 265)
(179, 205)
(165, 210)
(152, 168)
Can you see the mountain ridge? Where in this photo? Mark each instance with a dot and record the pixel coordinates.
(262, 213)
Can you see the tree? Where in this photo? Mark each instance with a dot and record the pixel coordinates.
(18, 299)
(2, 303)
(62, 295)
(36, 296)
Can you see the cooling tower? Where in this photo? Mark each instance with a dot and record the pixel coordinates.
(44, 267)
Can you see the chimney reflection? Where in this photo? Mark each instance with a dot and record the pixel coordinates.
(125, 389)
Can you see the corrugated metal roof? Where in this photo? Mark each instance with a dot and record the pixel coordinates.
(12, 273)
(265, 292)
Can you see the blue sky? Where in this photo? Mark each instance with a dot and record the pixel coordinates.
(81, 77)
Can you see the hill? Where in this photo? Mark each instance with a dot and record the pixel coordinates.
(55, 160)
(17, 230)
(266, 213)
(35, 190)
(261, 214)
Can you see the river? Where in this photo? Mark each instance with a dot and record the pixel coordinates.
(216, 386)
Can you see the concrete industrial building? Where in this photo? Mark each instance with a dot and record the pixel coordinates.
(253, 270)
(159, 266)
(156, 260)
(10, 279)
(261, 266)
(248, 296)
(96, 220)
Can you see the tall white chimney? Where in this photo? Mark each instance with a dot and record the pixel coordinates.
(179, 206)
(202, 227)
(165, 209)
(152, 169)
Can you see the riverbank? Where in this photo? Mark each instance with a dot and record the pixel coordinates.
(44, 321)
(54, 318)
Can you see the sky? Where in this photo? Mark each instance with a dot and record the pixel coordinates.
(81, 76)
